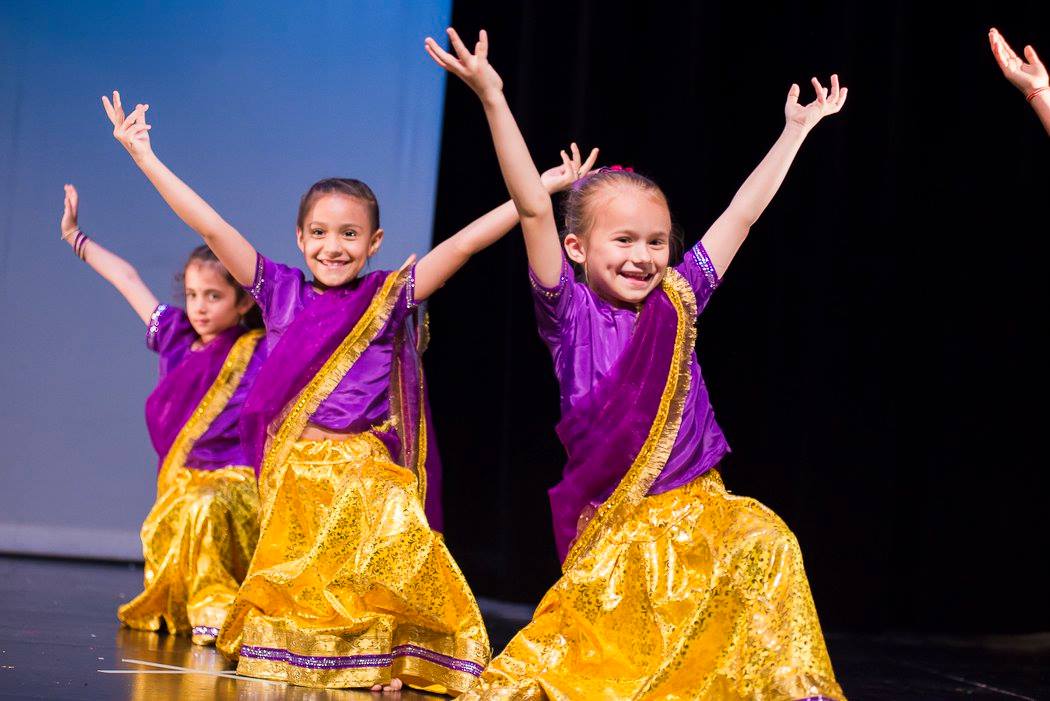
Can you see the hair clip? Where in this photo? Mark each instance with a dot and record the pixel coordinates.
(576, 186)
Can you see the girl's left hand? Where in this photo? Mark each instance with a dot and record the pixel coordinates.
(571, 169)
(69, 215)
(805, 117)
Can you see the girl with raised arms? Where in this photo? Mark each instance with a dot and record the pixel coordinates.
(671, 587)
(349, 586)
(199, 536)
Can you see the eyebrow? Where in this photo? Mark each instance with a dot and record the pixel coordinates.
(324, 225)
(632, 232)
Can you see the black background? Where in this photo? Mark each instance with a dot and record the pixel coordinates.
(877, 353)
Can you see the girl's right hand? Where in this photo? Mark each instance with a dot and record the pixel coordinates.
(69, 215)
(473, 69)
(1026, 77)
(561, 178)
(131, 131)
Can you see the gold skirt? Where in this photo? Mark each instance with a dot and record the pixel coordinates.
(700, 595)
(349, 586)
(197, 542)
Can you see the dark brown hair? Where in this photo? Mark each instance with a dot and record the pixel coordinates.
(204, 255)
(578, 206)
(342, 186)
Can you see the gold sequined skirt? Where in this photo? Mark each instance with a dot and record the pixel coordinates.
(197, 542)
(349, 586)
(699, 595)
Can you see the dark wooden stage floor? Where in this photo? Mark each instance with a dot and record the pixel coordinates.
(58, 630)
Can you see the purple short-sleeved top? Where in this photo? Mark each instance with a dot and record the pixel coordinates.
(586, 334)
(171, 336)
(362, 398)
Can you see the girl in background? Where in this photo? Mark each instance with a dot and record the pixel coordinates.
(349, 586)
(671, 587)
(199, 537)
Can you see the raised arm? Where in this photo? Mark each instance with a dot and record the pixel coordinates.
(232, 249)
(530, 198)
(1029, 77)
(452, 254)
(117, 271)
(723, 239)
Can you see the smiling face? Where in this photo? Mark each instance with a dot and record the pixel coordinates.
(626, 248)
(212, 303)
(337, 238)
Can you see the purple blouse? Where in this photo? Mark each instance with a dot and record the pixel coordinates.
(171, 336)
(361, 400)
(586, 334)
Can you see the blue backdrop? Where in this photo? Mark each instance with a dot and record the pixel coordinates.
(251, 103)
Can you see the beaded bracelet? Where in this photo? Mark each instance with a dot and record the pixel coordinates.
(1031, 96)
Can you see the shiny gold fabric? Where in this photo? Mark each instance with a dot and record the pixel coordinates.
(698, 595)
(197, 541)
(199, 536)
(349, 586)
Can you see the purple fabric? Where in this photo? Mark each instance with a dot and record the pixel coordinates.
(412, 383)
(303, 329)
(276, 654)
(587, 337)
(220, 445)
(185, 376)
(362, 399)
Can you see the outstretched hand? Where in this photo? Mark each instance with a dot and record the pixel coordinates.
(131, 131)
(69, 214)
(1025, 76)
(572, 168)
(473, 69)
(826, 103)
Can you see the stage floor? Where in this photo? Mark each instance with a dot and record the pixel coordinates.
(58, 631)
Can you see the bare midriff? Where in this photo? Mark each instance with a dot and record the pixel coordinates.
(313, 432)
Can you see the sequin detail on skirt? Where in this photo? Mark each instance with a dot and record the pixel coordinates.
(698, 595)
(197, 542)
(349, 586)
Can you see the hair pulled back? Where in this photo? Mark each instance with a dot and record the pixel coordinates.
(340, 186)
(581, 203)
(203, 255)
